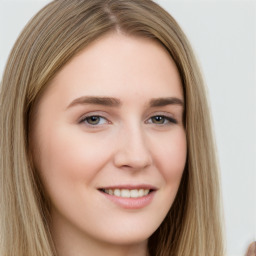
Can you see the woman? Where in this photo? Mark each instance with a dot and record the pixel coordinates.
(106, 140)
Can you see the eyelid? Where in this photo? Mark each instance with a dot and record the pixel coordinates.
(98, 124)
(93, 114)
(168, 116)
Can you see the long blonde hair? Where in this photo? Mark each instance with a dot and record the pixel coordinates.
(57, 33)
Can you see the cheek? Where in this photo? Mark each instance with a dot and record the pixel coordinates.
(67, 157)
(67, 164)
(171, 158)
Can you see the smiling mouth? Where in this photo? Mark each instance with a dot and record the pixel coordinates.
(127, 193)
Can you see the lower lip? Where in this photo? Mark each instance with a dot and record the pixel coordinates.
(131, 203)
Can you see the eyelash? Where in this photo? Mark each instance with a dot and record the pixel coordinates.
(167, 120)
(86, 118)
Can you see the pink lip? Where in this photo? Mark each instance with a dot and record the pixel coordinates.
(131, 203)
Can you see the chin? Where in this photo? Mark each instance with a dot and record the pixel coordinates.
(132, 234)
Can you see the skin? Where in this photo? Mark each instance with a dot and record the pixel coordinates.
(127, 144)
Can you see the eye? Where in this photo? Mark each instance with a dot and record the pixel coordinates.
(94, 120)
(161, 120)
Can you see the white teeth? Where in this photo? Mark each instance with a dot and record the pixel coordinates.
(134, 193)
(125, 193)
(117, 192)
(141, 192)
(111, 192)
(146, 191)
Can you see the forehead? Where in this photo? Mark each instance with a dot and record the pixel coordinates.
(119, 65)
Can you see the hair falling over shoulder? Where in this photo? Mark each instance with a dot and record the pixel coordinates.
(58, 32)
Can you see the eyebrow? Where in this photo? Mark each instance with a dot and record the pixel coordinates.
(104, 101)
(161, 102)
(114, 102)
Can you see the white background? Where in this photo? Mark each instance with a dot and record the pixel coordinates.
(223, 35)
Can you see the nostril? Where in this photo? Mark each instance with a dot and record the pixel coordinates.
(133, 152)
(127, 160)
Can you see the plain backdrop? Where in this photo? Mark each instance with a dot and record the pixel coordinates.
(223, 35)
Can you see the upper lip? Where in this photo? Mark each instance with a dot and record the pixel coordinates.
(130, 187)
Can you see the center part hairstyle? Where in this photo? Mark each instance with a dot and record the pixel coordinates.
(61, 30)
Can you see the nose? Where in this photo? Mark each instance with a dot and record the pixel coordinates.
(132, 150)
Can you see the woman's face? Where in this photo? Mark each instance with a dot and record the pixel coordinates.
(109, 142)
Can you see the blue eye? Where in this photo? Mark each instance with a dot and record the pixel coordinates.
(162, 120)
(94, 120)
